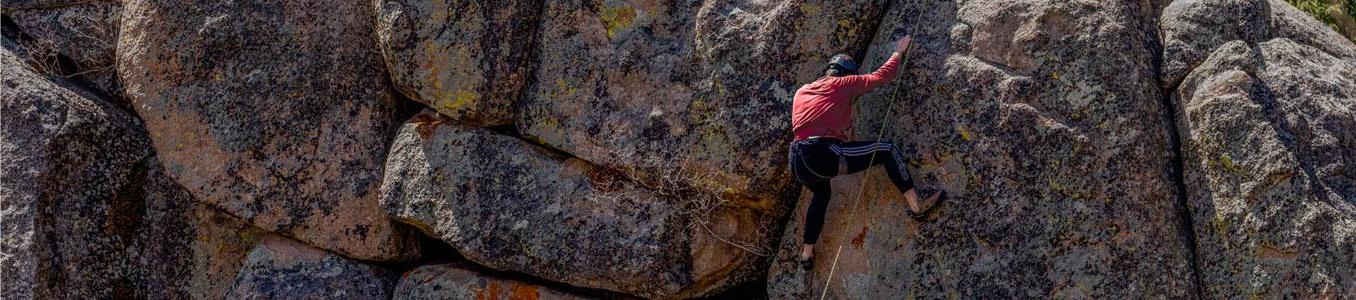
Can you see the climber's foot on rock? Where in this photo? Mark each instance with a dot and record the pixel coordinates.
(928, 204)
(807, 253)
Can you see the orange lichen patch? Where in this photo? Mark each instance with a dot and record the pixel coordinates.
(489, 293)
(860, 238)
(518, 291)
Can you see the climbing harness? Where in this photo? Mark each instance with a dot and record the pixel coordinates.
(861, 189)
(842, 163)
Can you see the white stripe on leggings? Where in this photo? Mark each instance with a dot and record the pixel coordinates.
(861, 150)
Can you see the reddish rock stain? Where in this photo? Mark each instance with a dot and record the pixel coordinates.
(518, 291)
(861, 238)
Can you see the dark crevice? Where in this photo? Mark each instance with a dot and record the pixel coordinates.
(863, 44)
(755, 289)
(11, 30)
(533, 61)
(405, 108)
(8, 10)
(511, 130)
(66, 68)
(1185, 226)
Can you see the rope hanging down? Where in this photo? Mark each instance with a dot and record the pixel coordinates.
(861, 189)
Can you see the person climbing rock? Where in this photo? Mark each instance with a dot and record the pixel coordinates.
(821, 120)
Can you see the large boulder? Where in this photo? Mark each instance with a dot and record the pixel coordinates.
(1192, 29)
(68, 160)
(510, 205)
(277, 113)
(183, 248)
(70, 38)
(1268, 153)
(450, 281)
(1044, 121)
(1268, 130)
(467, 59)
(281, 268)
(88, 215)
(700, 89)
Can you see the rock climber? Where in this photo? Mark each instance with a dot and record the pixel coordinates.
(821, 120)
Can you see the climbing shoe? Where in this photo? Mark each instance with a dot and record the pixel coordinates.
(928, 205)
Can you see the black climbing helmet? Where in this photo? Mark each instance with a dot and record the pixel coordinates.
(843, 63)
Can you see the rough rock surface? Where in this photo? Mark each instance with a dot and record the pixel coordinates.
(510, 205)
(1056, 155)
(1093, 149)
(449, 281)
(85, 32)
(702, 86)
(281, 268)
(467, 59)
(1192, 29)
(1268, 129)
(67, 159)
(184, 249)
(277, 113)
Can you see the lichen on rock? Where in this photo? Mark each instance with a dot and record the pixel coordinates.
(276, 113)
(469, 60)
(1266, 126)
(510, 205)
(69, 161)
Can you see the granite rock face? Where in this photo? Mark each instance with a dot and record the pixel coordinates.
(449, 281)
(619, 148)
(1268, 129)
(281, 268)
(1055, 152)
(89, 214)
(469, 60)
(510, 205)
(703, 86)
(73, 39)
(69, 159)
(277, 113)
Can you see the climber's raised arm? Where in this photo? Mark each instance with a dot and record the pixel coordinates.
(864, 83)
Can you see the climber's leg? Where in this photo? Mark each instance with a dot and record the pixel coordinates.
(862, 155)
(814, 216)
(814, 164)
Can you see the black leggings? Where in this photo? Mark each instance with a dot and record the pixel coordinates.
(815, 161)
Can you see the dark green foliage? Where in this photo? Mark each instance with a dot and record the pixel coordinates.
(1343, 19)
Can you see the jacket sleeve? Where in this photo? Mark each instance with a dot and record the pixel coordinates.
(860, 84)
